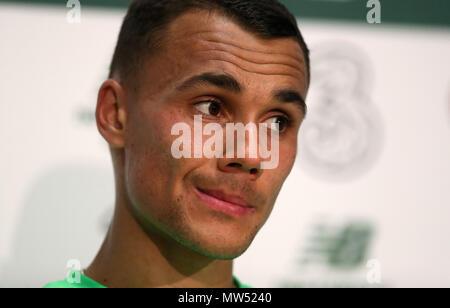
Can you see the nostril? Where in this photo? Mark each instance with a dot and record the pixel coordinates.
(235, 165)
(253, 171)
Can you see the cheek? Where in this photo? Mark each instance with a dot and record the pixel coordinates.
(288, 153)
(273, 179)
(150, 169)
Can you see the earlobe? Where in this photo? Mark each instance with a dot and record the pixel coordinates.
(111, 113)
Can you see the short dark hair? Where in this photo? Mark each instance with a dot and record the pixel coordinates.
(143, 28)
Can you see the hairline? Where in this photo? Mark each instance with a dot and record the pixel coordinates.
(159, 36)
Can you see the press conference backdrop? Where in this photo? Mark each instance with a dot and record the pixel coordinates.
(367, 203)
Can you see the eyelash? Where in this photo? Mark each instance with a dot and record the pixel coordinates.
(288, 124)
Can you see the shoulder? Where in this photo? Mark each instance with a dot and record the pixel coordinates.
(75, 280)
(239, 284)
(62, 284)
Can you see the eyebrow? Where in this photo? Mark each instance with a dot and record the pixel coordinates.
(229, 83)
(291, 96)
(219, 80)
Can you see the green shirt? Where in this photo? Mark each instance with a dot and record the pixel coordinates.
(86, 283)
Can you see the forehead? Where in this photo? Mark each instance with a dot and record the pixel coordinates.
(203, 41)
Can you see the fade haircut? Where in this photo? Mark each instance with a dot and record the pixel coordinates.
(144, 26)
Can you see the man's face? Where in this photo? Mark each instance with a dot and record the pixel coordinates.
(178, 196)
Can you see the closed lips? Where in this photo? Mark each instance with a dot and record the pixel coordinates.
(233, 199)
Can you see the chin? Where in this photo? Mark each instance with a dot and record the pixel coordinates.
(219, 247)
(221, 253)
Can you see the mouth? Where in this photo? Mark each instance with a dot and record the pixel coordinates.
(229, 204)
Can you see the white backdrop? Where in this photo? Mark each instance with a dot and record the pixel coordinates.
(371, 181)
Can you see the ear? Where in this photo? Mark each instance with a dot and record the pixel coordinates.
(111, 113)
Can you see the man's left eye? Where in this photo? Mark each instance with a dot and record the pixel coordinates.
(282, 122)
(209, 107)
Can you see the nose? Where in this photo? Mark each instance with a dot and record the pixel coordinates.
(241, 154)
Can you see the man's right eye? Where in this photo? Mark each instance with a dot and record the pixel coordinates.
(209, 107)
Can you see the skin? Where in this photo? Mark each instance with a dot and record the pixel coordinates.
(162, 234)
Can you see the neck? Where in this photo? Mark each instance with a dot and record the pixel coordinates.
(133, 257)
